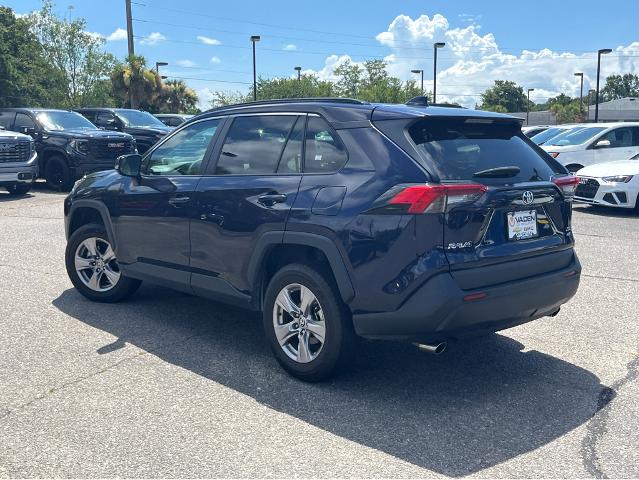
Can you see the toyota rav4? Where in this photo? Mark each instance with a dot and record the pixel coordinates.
(337, 219)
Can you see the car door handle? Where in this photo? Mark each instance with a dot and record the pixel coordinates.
(271, 199)
(179, 201)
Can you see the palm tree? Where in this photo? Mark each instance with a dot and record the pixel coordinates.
(176, 97)
(134, 84)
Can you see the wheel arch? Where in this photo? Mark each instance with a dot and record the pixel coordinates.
(293, 246)
(83, 212)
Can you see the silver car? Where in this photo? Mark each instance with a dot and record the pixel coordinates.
(18, 162)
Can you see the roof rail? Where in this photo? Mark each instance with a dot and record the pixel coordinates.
(350, 101)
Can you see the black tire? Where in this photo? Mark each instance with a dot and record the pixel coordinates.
(123, 288)
(340, 340)
(19, 189)
(57, 174)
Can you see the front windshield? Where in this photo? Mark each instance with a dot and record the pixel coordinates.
(135, 118)
(582, 135)
(64, 121)
(546, 135)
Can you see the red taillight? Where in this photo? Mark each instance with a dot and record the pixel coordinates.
(567, 184)
(554, 154)
(436, 198)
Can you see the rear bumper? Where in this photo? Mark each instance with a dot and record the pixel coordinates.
(441, 310)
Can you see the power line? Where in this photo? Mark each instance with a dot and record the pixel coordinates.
(323, 32)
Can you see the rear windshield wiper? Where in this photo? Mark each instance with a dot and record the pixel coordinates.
(498, 172)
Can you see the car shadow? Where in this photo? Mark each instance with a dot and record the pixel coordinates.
(603, 211)
(481, 403)
(7, 197)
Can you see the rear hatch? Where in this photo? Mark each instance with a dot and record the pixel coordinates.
(506, 204)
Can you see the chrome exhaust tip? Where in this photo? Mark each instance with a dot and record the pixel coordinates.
(433, 348)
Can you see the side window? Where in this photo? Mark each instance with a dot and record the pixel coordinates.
(105, 119)
(183, 153)
(619, 137)
(90, 116)
(23, 121)
(6, 119)
(254, 145)
(324, 151)
(635, 136)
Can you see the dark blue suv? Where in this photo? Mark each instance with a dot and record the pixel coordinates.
(337, 219)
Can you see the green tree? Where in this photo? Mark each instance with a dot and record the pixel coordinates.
(222, 98)
(307, 86)
(349, 79)
(27, 78)
(133, 81)
(78, 55)
(505, 94)
(176, 97)
(620, 86)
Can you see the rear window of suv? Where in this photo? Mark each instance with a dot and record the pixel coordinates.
(456, 149)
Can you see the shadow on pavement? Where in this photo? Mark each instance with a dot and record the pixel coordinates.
(607, 211)
(479, 404)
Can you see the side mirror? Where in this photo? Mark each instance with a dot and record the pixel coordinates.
(129, 165)
(28, 130)
(602, 143)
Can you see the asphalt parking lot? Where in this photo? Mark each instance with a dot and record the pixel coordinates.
(171, 385)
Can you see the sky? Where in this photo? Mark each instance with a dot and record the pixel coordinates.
(538, 44)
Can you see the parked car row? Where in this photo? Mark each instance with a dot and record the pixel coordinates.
(68, 144)
(605, 157)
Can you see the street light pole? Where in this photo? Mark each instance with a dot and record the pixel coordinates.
(436, 46)
(528, 105)
(581, 92)
(601, 52)
(590, 92)
(422, 73)
(158, 65)
(299, 73)
(254, 40)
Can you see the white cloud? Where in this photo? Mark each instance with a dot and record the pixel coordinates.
(290, 47)
(208, 40)
(153, 39)
(470, 61)
(216, 60)
(94, 34)
(185, 63)
(117, 35)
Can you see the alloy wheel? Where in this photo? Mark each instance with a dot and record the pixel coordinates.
(298, 320)
(96, 265)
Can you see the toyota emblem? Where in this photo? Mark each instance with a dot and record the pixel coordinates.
(527, 197)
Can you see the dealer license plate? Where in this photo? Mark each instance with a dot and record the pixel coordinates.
(522, 225)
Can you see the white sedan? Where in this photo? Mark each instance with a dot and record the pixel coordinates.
(612, 184)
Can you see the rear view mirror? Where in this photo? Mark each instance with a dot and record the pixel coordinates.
(129, 165)
(28, 130)
(602, 143)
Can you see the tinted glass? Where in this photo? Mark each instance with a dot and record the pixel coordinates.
(23, 121)
(324, 151)
(458, 148)
(136, 118)
(291, 161)
(104, 118)
(183, 153)
(619, 137)
(546, 135)
(575, 136)
(64, 121)
(254, 145)
(6, 119)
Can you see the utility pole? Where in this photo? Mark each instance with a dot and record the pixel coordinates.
(528, 105)
(603, 51)
(254, 40)
(129, 36)
(581, 92)
(129, 27)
